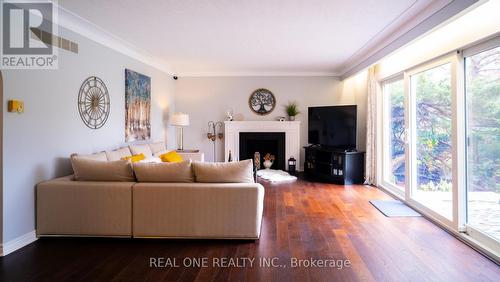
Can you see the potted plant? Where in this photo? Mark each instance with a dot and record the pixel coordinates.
(292, 109)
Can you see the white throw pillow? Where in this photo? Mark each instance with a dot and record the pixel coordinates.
(101, 156)
(233, 172)
(151, 160)
(141, 149)
(164, 172)
(91, 170)
(118, 154)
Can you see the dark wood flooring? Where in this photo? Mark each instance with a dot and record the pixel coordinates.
(301, 220)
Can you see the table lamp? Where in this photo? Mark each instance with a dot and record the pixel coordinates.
(180, 120)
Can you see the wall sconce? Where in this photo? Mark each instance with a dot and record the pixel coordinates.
(212, 134)
(15, 106)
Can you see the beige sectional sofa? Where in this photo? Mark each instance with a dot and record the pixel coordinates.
(207, 200)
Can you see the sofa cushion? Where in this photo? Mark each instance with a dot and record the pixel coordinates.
(164, 172)
(118, 154)
(141, 149)
(101, 156)
(157, 147)
(233, 172)
(91, 170)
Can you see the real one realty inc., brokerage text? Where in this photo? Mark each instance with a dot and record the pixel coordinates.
(241, 262)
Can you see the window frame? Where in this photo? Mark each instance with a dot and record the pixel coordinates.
(410, 128)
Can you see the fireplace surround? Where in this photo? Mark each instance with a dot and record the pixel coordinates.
(291, 130)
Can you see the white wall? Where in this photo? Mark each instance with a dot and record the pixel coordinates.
(207, 98)
(37, 144)
(1, 157)
(355, 89)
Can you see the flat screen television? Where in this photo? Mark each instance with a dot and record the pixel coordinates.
(333, 126)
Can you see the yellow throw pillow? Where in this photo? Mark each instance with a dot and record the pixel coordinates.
(171, 157)
(134, 158)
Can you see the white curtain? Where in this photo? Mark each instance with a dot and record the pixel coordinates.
(373, 90)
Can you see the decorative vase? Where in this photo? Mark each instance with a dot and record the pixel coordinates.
(229, 115)
(267, 164)
(291, 118)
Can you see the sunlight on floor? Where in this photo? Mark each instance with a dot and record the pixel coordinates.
(483, 208)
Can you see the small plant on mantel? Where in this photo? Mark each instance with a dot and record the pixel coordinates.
(292, 109)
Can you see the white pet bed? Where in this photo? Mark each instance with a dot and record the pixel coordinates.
(275, 176)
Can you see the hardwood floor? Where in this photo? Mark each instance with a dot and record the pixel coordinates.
(301, 220)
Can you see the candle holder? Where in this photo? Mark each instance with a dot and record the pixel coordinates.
(256, 160)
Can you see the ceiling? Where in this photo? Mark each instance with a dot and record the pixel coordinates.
(258, 37)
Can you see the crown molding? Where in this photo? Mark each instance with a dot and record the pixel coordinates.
(409, 18)
(257, 74)
(400, 33)
(77, 24)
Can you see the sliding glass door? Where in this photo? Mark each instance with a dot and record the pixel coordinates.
(394, 136)
(482, 77)
(440, 124)
(430, 146)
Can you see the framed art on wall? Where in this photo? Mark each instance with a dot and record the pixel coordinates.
(262, 101)
(137, 106)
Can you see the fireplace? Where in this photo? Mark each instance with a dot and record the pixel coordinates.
(263, 142)
(290, 129)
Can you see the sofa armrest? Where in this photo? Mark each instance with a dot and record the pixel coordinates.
(67, 207)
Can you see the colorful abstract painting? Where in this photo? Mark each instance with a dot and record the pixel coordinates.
(137, 106)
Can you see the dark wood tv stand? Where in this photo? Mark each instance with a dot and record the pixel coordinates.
(334, 165)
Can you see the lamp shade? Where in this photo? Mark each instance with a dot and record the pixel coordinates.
(180, 119)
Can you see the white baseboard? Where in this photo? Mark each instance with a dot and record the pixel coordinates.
(17, 243)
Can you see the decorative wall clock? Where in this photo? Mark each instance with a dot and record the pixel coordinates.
(262, 101)
(93, 102)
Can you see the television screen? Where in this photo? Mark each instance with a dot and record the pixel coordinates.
(333, 126)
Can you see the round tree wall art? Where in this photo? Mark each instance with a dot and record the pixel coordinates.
(262, 101)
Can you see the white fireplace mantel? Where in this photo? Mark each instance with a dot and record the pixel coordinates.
(290, 128)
